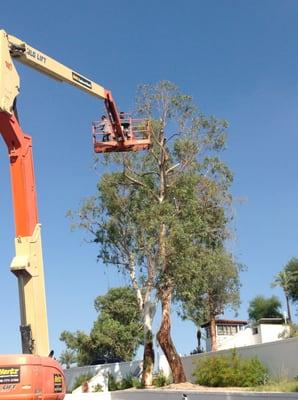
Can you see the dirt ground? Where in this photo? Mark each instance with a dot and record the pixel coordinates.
(191, 386)
(187, 386)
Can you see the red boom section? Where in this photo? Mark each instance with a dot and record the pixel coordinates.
(113, 115)
(22, 174)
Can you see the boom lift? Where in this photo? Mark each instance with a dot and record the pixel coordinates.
(27, 264)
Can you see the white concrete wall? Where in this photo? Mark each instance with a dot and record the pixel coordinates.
(240, 339)
(162, 365)
(101, 379)
(118, 370)
(270, 332)
(281, 357)
(266, 333)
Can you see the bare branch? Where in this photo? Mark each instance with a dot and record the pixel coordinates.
(139, 183)
(172, 168)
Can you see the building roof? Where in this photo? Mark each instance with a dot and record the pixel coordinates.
(272, 321)
(226, 322)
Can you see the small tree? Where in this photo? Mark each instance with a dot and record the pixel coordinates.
(261, 307)
(283, 280)
(116, 334)
(291, 270)
(67, 358)
(213, 286)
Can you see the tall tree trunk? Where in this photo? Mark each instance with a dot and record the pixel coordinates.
(148, 361)
(165, 291)
(213, 334)
(149, 356)
(288, 308)
(164, 337)
(147, 309)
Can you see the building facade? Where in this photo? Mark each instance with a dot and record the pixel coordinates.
(235, 333)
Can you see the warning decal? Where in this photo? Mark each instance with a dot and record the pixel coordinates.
(57, 383)
(9, 375)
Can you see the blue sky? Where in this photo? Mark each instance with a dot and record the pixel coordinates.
(239, 61)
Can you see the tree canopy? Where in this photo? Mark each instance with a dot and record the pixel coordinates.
(291, 269)
(68, 358)
(115, 335)
(210, 288)
(159, 212)
(262, 307)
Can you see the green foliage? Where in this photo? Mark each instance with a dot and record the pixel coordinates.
(112, 383)
(283, 279)
(261, 307)
(115, 334)
(137, 383)
(67, 358)
(287, 279)
(81, 379)
(230, 370)
(125, 383)
(161, 380)
(119, 304)
(278, 385)
(291, 270)
(211, 287)
(98, 388)
(290, 331)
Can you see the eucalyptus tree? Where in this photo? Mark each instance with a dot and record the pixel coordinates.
(182, 174)
(150, 217)
(211, 288)
(117, 221)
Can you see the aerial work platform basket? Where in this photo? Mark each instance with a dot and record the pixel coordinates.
(134, 136)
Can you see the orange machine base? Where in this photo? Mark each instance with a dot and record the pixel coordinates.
(26, 377)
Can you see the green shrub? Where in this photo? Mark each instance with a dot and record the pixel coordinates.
(98, 388)
(112, 383)
(81, 379)
(230, 370)
(125, 383)
(160, 379)
(137, 383)
(278, 385)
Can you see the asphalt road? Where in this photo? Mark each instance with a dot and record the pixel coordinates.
(177, 395)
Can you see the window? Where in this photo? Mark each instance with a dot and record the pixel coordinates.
(233, 329)
(220, 329)
(227, 330)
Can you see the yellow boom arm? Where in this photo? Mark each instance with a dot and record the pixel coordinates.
(27, 265)
(13, 47)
